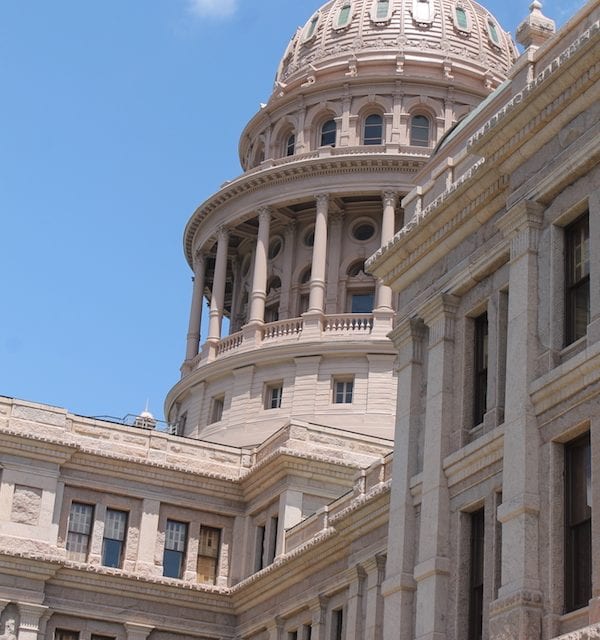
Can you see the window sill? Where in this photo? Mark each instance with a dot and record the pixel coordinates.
(573, 349)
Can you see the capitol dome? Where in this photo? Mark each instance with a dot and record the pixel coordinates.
(415, 36)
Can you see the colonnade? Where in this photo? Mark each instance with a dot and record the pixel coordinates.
(257, 300)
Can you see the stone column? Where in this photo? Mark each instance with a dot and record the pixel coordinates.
(517, 612)
(432, 571)
(354, 605)
(137, 631)
(235, 294)
(334, 253)
(218, 289)
(399, 587)
(388, 222)
(193, 336)
(319, 257)
(289, 249)
(259, 279)
(29, 620)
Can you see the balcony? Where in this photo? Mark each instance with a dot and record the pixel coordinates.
(310, 328)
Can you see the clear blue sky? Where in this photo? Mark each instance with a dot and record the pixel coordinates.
(118, 118)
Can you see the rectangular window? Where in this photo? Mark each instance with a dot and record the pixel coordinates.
(216, 413)
(578, 523)
(96, 636)
(303, 302)
(208, 555)
(113, 543)
(66, 634)
(476, 575)
(81, 518)
(175, 547)
(337, 624)
(273, 396)
(260, 548)
(273, 531)
(480, 368)
(343, 391)
(307, 632)
(577, 279)
(362, 302)
(292, 635)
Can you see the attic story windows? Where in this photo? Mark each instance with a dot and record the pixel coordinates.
(311, 28)
(344, 16)
(381, 10)
(290, 145)
(420, 131)
(328, 134)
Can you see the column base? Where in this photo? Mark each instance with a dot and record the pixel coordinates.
(383, 322)
(516, 617)
(253, 333)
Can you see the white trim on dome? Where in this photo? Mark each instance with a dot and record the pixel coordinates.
(423, 12)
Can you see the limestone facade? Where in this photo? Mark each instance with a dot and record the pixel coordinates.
(420, 468)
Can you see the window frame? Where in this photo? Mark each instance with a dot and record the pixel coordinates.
(343, 390)
(414, 128)
(336, 23)
(213, 559)
(273, 395)
(481, 334)
(122, 542)
(373, 140)
(330, 132)
(216, 409)
(71, 553)
(573, 526)
(181, 553)
(574, 285)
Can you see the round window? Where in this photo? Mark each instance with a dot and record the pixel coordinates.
(275, 248)
(309, 238)
(363, 231)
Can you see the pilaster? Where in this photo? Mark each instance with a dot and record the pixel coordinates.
(147, 541)
(30, 616)
(354, 604)
(318, 609)
(399, 587)
(433, 568)
(288, 266)
(593, 331)
(374, 580)
(290, 513)
(518, 607)
(336, 220)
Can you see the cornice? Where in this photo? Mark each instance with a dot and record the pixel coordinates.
(518, 121)
(312, 164)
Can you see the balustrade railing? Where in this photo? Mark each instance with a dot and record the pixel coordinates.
(348, 323)
(282, 329)
(230, 343)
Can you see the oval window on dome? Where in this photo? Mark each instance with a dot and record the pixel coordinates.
(461, 19)
(311, 28)
(309, 237)
(344, 16)
(373, 131)
(275, 248)
(493, 32)
(363, 231)
(419, 131)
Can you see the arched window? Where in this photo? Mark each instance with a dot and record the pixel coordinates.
(274, 284)
(493, 32)
(328, 134)
(290, 145)
(462, 21)
(344, 16)
(419, 131)
(382, 9)
(373, 130)
(311, 27)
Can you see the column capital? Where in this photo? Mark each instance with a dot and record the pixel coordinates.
(390, 198)
(30, 614)
(337, 217)
(521, 225)
(407, 330)
(137, 631)
(318, 607)
(199, 258)
(438, 314)
(264, 213)
(290, 228)
(222, 233)
(322, 199)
